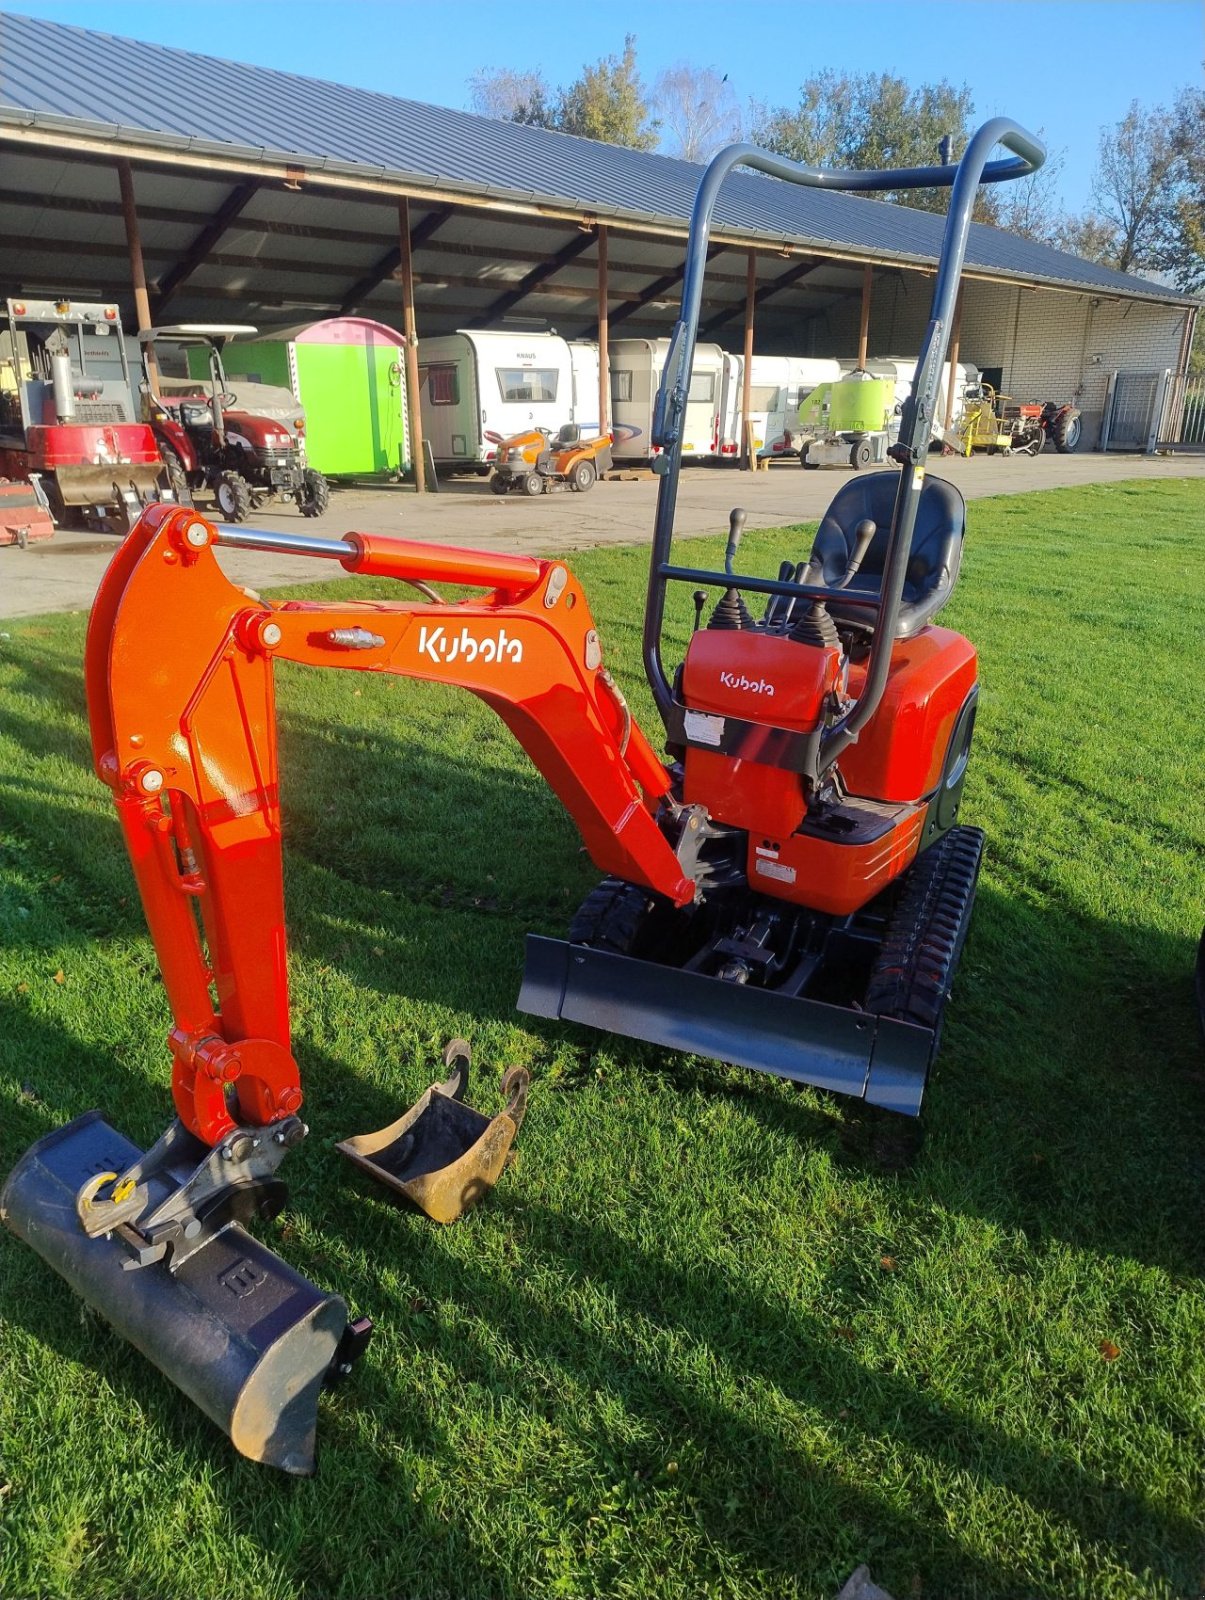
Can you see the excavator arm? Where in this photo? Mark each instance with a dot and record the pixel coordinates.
(179, 671)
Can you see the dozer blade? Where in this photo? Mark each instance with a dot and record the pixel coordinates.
(246, 1338)
(877, 1059)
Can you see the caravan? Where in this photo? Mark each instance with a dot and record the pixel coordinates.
(778, 385)
(636, 367)
(478, 388)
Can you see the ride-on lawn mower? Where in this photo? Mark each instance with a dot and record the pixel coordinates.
(791, 893)
(209, 447)
(533, 463)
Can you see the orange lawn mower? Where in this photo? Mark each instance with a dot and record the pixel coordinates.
(788, 892)
(534, 463)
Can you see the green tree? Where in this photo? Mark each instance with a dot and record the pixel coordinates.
(607, 102)
(860, 120)
(1181, 246)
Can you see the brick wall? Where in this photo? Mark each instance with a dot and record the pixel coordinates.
(1045, 340)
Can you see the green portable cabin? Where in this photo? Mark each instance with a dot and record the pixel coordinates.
(349, 374)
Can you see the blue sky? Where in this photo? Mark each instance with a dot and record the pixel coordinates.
(1066, 66)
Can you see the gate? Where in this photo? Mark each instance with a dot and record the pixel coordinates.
(1133, 410)
(1184, 420)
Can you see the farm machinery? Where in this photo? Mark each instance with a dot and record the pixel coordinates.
(534, 463)
(68, 427)
(211, 447)
(790, 892)
(996, 423)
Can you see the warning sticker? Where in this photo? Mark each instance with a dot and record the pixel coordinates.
(703, 729)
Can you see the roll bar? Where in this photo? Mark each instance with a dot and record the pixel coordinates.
(915, 423)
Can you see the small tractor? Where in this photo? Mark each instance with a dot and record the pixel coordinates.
(209, 447)
(533, 463)
(994, 422)
(68, 426)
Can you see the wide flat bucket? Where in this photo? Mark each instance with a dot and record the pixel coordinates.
(247, 1339)
(877, 1059)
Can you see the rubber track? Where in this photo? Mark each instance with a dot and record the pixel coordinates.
(611, 916)
(915, 966)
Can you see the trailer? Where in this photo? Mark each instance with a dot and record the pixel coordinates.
(349, 376)
(778, 386)
(478, 387)
(636, 367)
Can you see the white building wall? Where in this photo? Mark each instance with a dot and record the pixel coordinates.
(1051, 345)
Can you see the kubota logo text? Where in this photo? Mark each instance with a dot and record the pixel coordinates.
(733, 680)
(446, 647)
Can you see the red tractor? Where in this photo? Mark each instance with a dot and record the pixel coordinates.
(68, 424)
(209, 447)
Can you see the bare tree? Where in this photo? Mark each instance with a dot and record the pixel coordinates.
(698, 111)
(1137, 160)
(1030, 206)
(510, 95)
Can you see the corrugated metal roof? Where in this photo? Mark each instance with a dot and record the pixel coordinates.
(49, 71)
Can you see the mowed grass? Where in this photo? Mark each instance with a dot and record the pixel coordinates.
(696, 1343)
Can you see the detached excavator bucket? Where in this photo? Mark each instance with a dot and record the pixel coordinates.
(247, 1339)
(877, 1059)
(441, 1154)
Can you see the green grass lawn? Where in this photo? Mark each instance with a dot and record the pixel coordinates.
(696, 1343)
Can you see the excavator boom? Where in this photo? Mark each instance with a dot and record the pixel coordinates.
(179, 669)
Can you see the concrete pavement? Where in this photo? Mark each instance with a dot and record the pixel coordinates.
(62, 574)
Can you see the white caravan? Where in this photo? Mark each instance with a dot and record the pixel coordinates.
(778, 385)
(478, 388)
(636, 368)
(583, 361)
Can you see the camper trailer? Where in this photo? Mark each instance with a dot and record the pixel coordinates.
(636, 367)
(778, 385)
(348, 373)
(477, 388)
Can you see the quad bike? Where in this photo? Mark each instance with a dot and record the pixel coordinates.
(534, 464)
(208, 447)
(789, 893)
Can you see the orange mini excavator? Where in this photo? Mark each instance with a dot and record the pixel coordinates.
(789, 893)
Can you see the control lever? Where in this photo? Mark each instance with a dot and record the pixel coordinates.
(736, 526)
(700, 599)
(864, 532)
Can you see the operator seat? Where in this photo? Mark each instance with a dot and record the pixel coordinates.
(936, 547)
(568, 433)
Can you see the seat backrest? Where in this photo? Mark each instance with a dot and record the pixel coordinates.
(936, 542)
(568, 433)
